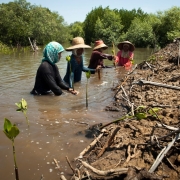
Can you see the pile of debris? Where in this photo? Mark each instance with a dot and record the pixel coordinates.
(145, 142)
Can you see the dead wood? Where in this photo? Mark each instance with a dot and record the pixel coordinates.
(109, 142)
(91, 145)
(143, 82)
(104, 173)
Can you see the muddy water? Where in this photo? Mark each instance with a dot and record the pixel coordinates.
(55, 121)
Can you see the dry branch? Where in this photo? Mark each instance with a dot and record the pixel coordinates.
(109, 142)
(143, 82)
(104, 173)
(91, 145)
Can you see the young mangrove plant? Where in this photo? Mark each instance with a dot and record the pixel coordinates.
(11, 131)
(68, 58)
(114, 54)
(88, 74)
(22, 106)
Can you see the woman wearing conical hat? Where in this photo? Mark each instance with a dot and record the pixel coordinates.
(125, 53)
(75, 66)
(97, 55)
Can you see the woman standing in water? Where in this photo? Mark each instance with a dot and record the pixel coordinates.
(125, 53)
(75, 66)
(48, 79)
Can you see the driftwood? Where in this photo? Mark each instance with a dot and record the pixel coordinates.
(70, 165)
(104, 173)
(167, 127)
(143, 82)
(31, 44)
(163, 153)
(91, 145)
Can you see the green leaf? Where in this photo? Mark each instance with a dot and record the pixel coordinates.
(7, 135)
(140, 116)
(18, 109)
(7, 125)
(14, 132)
(154, 110)
(11, 131)
(88, 74)
(68, 58)
(24, 104)
(18, 105)
(141, 107)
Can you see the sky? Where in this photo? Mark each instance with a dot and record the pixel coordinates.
(76, 10)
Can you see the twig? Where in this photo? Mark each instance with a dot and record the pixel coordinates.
(143, 82)
(62, 177)
(109, 142)
(91, 145)
(129, 153)
(57, 165)
(172, 165)
(167, 127)
(70, 165)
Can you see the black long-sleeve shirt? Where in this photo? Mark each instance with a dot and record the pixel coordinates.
(48, 79)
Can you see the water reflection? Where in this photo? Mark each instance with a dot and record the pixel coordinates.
(54, 120)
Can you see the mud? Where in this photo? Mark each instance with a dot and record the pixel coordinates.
(147, 132)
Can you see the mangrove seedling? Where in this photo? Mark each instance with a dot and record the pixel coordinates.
(114, 54)
(11, 131)
(68, 58)
(22, 106)
(88, 74)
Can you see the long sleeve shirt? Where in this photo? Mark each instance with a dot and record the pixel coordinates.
(48, 79)
(123, 59)
(97, 59)
(74, 70)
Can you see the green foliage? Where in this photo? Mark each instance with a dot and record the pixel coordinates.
(128, 16)
(68, 58)
(89, 24)
(76, 29)
(20, 20)
(11, 131)
(140, 116)
(4, 48)
(170, 25)
(88, 74)
(140, 33)
(109, 27)
(142, 112)
(22, 106)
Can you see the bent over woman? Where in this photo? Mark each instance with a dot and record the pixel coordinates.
(48, 79)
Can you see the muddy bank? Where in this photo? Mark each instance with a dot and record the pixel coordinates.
(145, 142)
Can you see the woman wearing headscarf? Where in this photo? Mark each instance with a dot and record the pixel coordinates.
(75, 65)
(97, 56)
(48, 79)
(125, 53)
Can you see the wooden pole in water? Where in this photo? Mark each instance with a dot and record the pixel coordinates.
(31, 44)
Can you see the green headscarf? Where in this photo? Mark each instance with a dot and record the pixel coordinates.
(50, 52)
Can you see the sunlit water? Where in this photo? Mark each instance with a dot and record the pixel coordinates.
(55, 121)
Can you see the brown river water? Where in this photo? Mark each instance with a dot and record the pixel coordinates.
(55, 121)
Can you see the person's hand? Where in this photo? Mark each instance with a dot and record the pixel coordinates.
(98, 67)
(73, 91)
